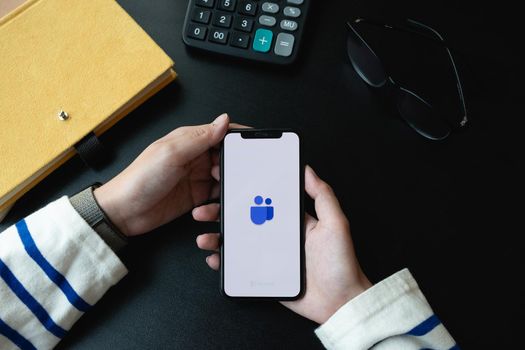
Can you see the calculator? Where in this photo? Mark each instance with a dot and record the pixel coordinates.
(267, 31)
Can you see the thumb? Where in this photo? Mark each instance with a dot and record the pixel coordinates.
(189, 142)
(327, 206)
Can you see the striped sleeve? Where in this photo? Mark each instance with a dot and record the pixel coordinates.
(53, 268)
(393, 314)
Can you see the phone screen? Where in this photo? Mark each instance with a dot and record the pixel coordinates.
(262, 216)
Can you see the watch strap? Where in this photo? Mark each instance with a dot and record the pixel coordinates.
(86, 205)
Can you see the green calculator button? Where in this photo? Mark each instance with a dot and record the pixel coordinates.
(263, 40)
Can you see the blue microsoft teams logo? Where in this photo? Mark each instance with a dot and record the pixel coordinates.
(261, 213)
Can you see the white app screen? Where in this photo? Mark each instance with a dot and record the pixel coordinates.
(262, 223)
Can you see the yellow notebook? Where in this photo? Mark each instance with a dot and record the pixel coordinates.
(88, 58)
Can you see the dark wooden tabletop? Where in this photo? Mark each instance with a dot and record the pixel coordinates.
(443, 209)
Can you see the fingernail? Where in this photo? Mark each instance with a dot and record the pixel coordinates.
(207, 258)
(220, 119)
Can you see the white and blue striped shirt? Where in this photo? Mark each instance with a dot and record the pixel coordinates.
(54, 267)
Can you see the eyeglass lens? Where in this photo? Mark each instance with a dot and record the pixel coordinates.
(413, 109)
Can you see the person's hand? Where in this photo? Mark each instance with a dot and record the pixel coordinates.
(169, 178)
(333, 274)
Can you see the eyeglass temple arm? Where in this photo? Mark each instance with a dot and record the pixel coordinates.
(401, 28)
(435, 37)
(414, 23)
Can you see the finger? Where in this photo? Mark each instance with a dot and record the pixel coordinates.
(214, 261)
(239, 126)
(208, 241)
(216, 172)
(233, 126)
(327, 206)
(215, 157)
(208, 212)
(189, 142)
(215, 191)
(309, 222)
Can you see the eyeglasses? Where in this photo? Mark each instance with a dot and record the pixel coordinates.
(413, 109)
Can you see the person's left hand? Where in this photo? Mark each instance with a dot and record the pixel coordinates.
(167, 179)
(333, 274)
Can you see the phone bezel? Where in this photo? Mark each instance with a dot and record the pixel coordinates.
(267, 133)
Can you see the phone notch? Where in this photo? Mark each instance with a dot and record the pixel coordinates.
(262, 134)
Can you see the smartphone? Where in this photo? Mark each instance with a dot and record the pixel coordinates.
(262, 215)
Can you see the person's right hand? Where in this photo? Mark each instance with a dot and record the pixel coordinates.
(333, 274)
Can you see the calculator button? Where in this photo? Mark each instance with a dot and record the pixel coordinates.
(292, 11)
(270, 7)
(248, 8)
(227, 5)
(201, 16)
(240, 40)
(222, 20)
(284, 44)
(267, 21)
(263, 40)
(205, 3)
(219, 36)
(290, 25)
(197, 32)
(243, 23)
(295, 2)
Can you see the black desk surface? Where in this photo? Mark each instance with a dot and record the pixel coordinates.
(442, 209)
